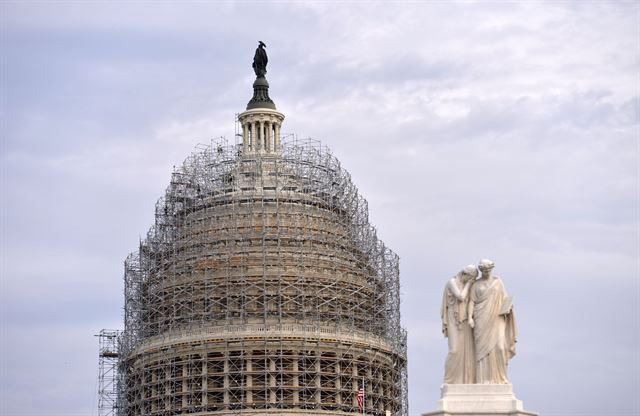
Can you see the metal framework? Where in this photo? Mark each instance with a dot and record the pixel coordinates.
(107, 371)
(262, 289)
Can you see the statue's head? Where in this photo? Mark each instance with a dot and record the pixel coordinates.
(485, 265)
(469, 273)
(261, 44)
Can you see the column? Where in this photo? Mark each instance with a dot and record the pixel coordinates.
(267, 130)
(185, 386)
(318, 380)
(354, 382)
(272, 380)
(245, 138)
(277, 138)
(296, 397)
(154, 391)
(226, 382)
(205, 383)
(261, 136)
(167, 388)
(367, 396)
(338, 386)
(254, 136)
(248, 390)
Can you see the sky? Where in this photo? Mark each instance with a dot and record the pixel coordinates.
(500, 130)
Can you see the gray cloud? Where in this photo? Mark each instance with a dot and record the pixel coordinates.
(502, 130)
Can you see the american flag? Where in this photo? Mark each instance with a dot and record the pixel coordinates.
(361, 399)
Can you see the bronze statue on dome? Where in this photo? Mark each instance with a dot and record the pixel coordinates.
(260, 60)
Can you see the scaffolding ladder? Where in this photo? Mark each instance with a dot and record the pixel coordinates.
(107, 371)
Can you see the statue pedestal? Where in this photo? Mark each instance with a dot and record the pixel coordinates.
(479, 400)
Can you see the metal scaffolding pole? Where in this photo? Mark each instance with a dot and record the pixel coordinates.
(107, 371)
(261, 287)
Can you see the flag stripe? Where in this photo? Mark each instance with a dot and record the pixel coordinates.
(360, 399)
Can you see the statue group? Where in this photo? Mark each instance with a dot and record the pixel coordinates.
(478, 320)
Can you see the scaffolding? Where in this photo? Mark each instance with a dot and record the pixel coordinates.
(107, 371)
(262, 289)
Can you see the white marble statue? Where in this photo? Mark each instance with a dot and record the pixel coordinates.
(478, 319)
(491, 316)
(460, 364)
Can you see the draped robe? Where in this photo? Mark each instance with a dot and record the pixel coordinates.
(494, 331)
(460, 365)
(260, 61)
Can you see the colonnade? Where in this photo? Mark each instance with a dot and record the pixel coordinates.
(261, 136)
(261, 130)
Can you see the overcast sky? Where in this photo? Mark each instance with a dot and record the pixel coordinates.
(475, 130)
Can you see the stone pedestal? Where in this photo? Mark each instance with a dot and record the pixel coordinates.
(479, 400)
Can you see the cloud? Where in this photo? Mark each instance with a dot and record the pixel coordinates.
(501, 130)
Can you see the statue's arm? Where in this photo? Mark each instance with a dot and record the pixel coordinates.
(466, 289)
(460, 295)
(443, 313)
(470, 310)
